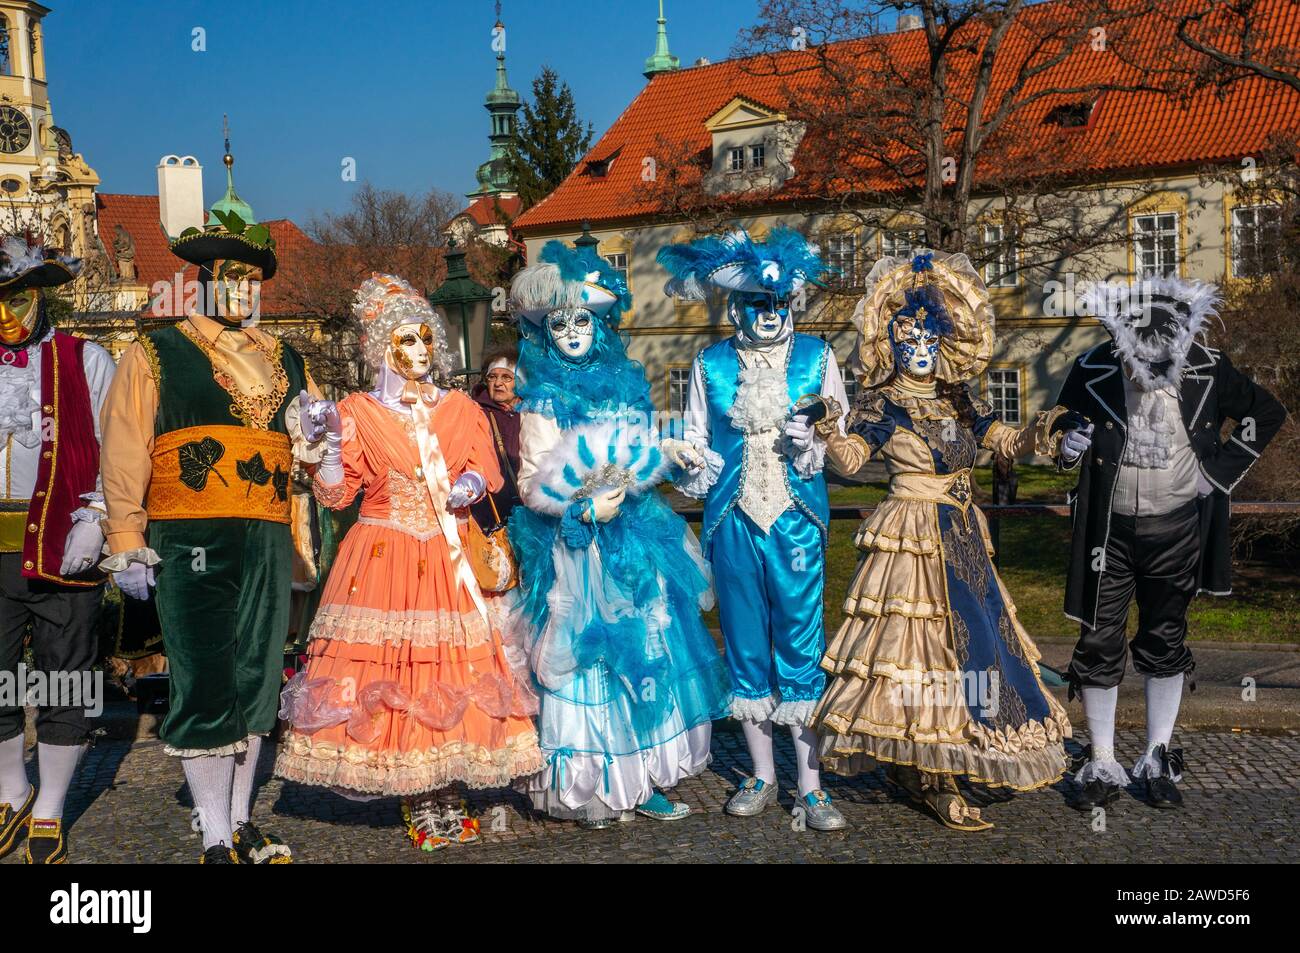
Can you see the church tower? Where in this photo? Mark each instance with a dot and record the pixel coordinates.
(502, 104)
(661, 61)
(46, 189)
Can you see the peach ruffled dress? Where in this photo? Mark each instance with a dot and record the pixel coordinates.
(407, 688)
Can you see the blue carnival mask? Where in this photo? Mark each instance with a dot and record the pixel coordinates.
(572, 332)
(916, 330)
(761, 318)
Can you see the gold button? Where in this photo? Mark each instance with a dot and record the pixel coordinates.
(46, 455)
(31, 527)
(29, 565)
(49, 409)
(39, 494)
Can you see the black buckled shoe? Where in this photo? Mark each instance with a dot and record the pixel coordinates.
(1096, 793)
(14, 822)
(254, 847)
(219, 854)
(46, 843)
(1162, 791)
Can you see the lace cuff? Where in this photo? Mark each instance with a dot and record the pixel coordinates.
(697, 485)
(118, 562)
(808, 463)
(88, 514)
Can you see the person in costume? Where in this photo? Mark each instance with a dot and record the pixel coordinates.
(200, 437)
(1150, 510)
(52, 386)
(407, 690)
(931, 672)
(766, 514)
(613, 581)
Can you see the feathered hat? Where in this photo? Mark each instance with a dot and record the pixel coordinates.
(735, 262)
(565, 277)
(942, 291)
(23, 265)
(1154, 322)
(383, 304)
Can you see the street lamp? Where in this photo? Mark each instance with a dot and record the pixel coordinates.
(466, 307)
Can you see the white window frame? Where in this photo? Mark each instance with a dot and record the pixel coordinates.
(998, 381)
(679, 384)
(611, 259)
(843, 270)
(893, 238)
(1240, 268)
(736, 159)
(1158, 261)
(1000, 269)
(757, 155)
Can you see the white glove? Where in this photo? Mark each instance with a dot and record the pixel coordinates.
(800, 433)
(135, 580)
(82, 547)
(684, 455)
(318, 417)
(604, 506)
(1075, 443)
(468, 488)
(1203, 486)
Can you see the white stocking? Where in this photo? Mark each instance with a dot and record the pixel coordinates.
(241, 790)
(758, 738)
(805, 759)
(13, 772)
(211, 778)
(58, 766)
(1164, 695)
(1099, 708)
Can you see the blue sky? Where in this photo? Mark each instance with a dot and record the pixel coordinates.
(397, 85)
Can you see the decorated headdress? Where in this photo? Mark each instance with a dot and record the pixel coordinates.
(383, 304)
(231, 233)
(568, 278)
(1153, 323)
(943, 292)
(24, 265)
(735, 262)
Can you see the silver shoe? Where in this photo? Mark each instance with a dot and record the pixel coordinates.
(752, 799)
(819, 813)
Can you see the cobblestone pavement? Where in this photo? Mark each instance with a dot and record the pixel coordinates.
(129, 804)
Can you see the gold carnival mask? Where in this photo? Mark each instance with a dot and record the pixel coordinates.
(412, 350)
(18, 315)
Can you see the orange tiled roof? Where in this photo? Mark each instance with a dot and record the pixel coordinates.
(1127, 131)
(484, 210)
(154, 262)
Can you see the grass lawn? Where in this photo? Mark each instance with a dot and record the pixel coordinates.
(1265, 606)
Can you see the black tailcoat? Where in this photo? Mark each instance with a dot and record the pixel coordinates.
(1211, 391)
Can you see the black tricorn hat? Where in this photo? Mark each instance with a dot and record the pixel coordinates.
(23, 266)
(231, 239)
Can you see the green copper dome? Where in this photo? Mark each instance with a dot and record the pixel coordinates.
(231, 202)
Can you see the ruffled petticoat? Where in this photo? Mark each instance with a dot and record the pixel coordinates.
(928, 628)
(407, 688)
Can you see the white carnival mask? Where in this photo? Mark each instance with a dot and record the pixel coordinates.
(411, 351)
(573, 330)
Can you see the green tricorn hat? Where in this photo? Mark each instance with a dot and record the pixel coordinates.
(231, 233)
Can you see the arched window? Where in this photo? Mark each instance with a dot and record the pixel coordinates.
(6, 64)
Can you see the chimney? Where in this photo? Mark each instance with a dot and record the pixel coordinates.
(907, 21)
(180, 194)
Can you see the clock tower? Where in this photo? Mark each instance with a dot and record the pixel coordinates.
(45, 188)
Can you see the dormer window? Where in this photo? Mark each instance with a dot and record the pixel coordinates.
(753, 147)
(1069, 115)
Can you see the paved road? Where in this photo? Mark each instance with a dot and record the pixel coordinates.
(129, 805)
